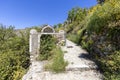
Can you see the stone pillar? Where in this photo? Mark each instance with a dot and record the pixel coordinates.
(63, 35)
(33, 41)
(39, 35)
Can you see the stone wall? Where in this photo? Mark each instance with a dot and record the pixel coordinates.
(34, 41)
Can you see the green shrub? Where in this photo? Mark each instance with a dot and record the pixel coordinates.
(47, 44)
(49, 51)
(104, 16)
(110, 65)
(73, 37)
(14, 54)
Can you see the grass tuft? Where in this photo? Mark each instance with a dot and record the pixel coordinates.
(58, 63)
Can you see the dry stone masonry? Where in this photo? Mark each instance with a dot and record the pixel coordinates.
(34, 40)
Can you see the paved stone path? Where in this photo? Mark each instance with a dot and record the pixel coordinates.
(79, 67)
(77, 57)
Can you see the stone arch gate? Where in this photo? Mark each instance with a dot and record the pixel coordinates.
(34, 40)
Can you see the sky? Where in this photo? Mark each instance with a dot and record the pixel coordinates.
(27, 13)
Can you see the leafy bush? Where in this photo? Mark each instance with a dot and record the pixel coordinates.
(73, 37)
(110, 65)
(47, 44)
(49, 51)
(104, 16)
(14, 54)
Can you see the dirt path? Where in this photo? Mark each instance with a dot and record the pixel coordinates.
(79, 67)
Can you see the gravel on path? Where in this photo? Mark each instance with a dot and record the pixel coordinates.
(79, 67)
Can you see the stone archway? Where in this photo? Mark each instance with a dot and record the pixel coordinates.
(47, 29)
(34, 41)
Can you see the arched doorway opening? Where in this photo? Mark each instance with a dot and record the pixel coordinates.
(35, 37)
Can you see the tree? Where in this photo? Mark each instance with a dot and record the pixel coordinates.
(76, 15)
(100, 1)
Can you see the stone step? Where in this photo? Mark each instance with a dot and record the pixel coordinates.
(81, 68)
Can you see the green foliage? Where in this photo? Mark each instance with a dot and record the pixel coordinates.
(38, 28)
(57, 63)
(49, 51)
(6, 34)
(10, 65)
(47, 44)
(62, 43)
(104, 16)
(101, 1)
(103, 29)
(76, 15)
(73, 37)
(14, 54)
(99, 34)
(110, 65)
